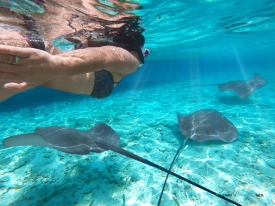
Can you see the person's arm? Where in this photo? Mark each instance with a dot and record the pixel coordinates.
(110, 58)
(36, 67)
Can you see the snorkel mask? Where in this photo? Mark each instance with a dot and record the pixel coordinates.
(145, 52)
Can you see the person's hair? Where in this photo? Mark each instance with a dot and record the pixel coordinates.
(131, 42)
(139, 38)
(129, 36)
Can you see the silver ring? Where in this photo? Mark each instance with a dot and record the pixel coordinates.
(15, 60)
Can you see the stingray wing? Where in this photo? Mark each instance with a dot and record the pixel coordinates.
(67, 140)
(255, 83)
(104, 134)
(258, 80)
(64, 139)
(230, 85)
(25, 140)
(242, 89)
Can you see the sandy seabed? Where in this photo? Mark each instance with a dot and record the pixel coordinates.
(146, 122)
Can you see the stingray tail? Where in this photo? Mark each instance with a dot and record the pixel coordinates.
(172, 163)
(140, 159)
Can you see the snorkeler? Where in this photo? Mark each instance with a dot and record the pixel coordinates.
(100, 60)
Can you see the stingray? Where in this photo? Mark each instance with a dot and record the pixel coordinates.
(98, 139)
(203, 126)
(244, 89)
(207, 125)
(241, 88)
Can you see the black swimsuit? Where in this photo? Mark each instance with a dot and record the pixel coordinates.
(103, 84)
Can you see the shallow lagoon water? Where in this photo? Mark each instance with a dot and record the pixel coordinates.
(204, 43)
(146, 122)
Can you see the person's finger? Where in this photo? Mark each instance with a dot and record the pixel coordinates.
(6, 68)
(19, 87)
(9, 59)
(16, 51)
(7, 76)
(6, 60)
(14, 55)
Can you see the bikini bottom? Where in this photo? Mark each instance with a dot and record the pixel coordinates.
(103, 84)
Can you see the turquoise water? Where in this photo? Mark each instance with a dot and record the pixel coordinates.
(192, 43)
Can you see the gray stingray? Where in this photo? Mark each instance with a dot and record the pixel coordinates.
(244, 89)
(98, 139)
(207, 125)
(202, 126)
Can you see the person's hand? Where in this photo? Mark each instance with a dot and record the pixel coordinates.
(25, 68)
